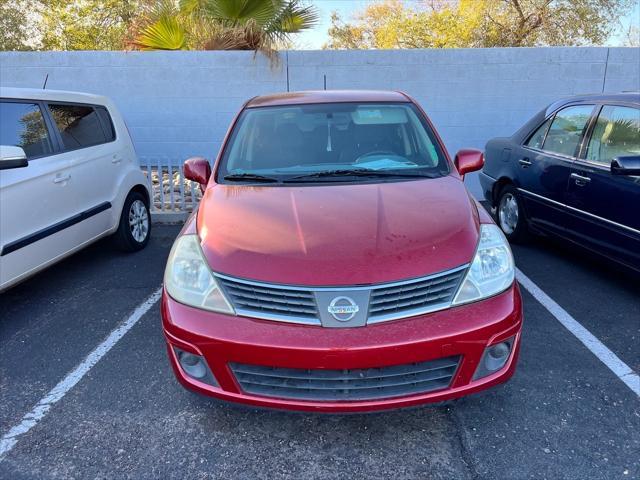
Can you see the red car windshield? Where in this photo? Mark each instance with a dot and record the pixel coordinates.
(331, 140)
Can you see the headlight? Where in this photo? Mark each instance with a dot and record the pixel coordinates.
(492, 269)
(188, 278)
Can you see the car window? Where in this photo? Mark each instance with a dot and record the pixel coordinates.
(79, 125)
(567, 129)
(535, 141)
(107, 124)
(294, 140)
(22, 125)
(616, 134)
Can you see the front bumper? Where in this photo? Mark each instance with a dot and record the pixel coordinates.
(463, 331)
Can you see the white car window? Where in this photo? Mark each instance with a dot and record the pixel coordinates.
(79, 125)
(22, 125)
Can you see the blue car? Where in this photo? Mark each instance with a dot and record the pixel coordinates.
(573, 171)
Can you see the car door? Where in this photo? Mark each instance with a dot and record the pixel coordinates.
(544, 162)
(605, 206)
(36, 200)
(86, 145)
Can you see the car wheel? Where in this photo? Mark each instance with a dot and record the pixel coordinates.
(135, 224)
(511, 216)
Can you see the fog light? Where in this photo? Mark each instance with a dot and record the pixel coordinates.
(192, 364)
(195, 366)
(493, 358)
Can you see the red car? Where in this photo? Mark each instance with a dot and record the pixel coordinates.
(337, 263)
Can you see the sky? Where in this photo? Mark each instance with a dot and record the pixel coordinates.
(317, 37)
(314, 39)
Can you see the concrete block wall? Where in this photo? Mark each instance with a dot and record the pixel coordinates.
(176, 104)
(179, 104)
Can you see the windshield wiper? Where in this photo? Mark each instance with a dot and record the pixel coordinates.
(249, 177)
(355, 172)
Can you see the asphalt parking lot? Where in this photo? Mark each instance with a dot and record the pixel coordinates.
(564, 414)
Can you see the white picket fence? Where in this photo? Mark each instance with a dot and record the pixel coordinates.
(170, 190)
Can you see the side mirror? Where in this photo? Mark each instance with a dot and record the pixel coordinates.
(198, 170)
(469, 160)
(627, 165)
(12, 157)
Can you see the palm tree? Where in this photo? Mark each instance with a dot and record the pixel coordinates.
(259, 25)
(164, 28)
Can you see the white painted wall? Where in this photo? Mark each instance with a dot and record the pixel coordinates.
(179, 104)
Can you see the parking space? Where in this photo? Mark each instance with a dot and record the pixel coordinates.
(563, 415)
(603, 297)
(53, 320)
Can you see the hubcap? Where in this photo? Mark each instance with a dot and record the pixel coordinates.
(138, 221)
(508, 213)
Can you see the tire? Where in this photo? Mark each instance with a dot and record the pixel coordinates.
(134, 229)
(510, 215)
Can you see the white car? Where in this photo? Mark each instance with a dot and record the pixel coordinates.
(69, 175)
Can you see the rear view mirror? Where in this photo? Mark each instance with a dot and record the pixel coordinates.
(198, 170)
(469, 160)
(627, 165)
(12, 157)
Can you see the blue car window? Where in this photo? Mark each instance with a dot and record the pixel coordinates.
(567, 130)
(616, 134)
(536, 140)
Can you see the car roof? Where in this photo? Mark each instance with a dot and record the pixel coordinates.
(326, 96)
(626, 97)
(52, 95)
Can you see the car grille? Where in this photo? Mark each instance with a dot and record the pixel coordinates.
(267, 301)
(413, 298)
(390, 301)
(346, 385)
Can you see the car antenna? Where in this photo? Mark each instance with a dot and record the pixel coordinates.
(44, 86)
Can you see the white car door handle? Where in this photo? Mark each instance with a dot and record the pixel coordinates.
(116, 160)
(61, 178)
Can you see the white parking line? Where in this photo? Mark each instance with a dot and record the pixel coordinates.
(38, 412)
(606, 356)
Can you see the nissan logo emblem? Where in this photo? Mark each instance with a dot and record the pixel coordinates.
(343, 309)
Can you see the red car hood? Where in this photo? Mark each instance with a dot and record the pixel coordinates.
(338, 234)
